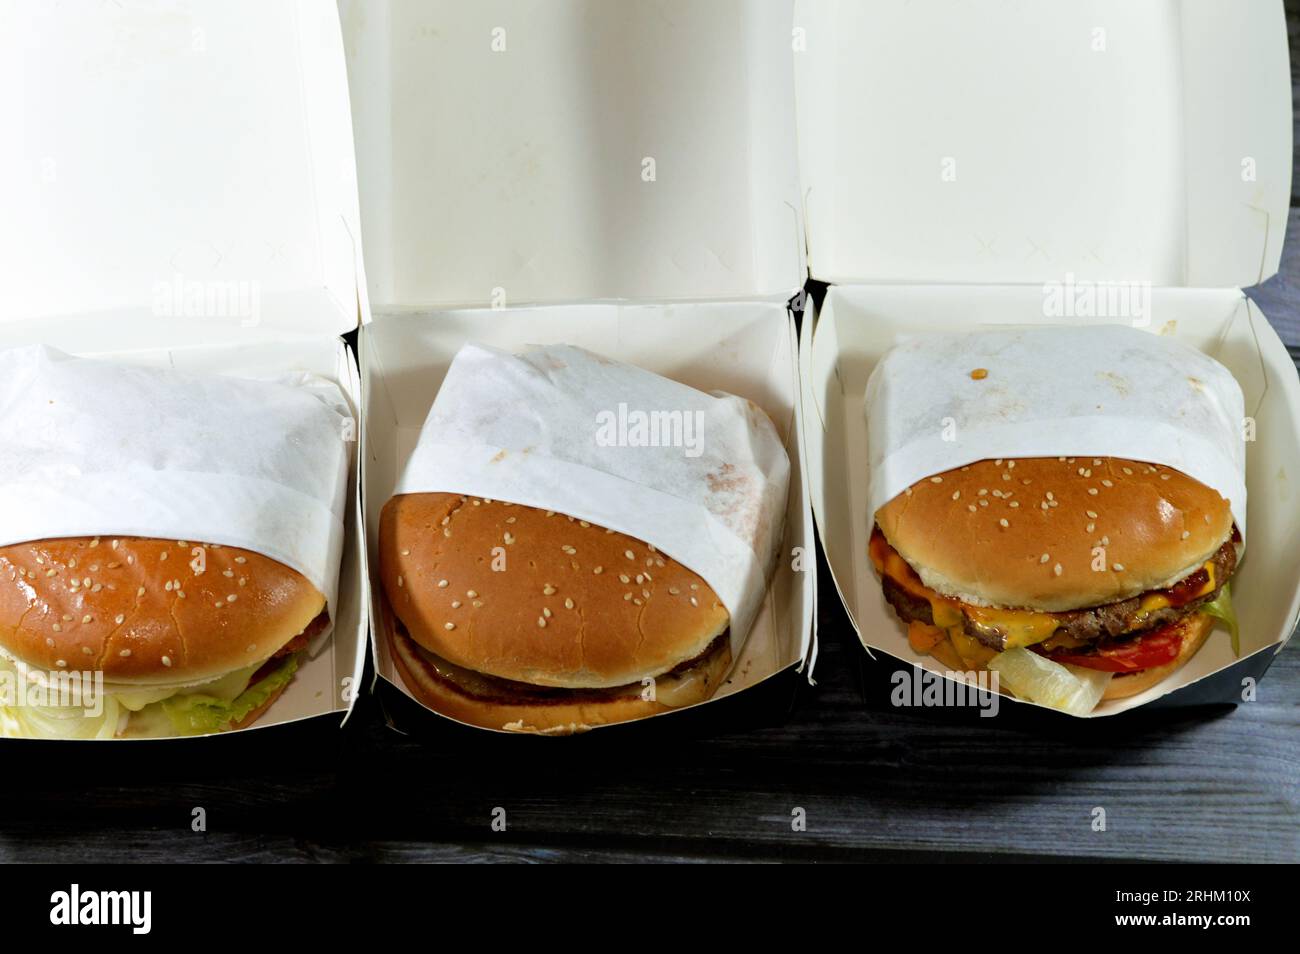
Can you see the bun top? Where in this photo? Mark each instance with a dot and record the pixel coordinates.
(538, 597)
(140, 610)
(1055, 534)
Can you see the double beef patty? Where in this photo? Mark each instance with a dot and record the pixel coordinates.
(1086, 625)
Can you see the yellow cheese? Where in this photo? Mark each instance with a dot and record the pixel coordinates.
(1022, 627)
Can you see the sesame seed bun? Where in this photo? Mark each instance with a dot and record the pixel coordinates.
(139, 609)
(539, 598)
(1025, 532)
(1194, 629)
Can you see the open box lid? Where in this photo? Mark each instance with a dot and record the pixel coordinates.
(178, 160)
(572, 150)
(1024, 142)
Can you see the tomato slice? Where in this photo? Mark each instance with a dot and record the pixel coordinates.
(1156, 648)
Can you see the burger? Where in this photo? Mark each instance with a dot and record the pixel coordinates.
(187, 638)
(507, 617)
(1077, 579)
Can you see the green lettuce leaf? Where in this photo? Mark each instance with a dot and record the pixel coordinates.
(1221, 609)
(200, 713)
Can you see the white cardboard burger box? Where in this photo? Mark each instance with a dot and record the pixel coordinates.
(616, 176)
(962, 161)
(181, 192)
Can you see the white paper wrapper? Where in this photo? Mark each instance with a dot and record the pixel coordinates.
(97, 448)
(536, 428)
(1100, 390)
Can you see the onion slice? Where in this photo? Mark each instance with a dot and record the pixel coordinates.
(1071, 689)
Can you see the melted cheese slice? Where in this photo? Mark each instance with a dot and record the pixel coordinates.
(1022, 627)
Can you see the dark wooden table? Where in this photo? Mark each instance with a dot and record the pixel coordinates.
(876, 783)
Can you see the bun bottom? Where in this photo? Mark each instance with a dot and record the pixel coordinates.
(257, 713)
(562, 712)
(1195, 628)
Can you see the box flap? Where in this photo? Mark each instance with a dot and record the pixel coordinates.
(529, 152)
(997, 142)
(189, 160)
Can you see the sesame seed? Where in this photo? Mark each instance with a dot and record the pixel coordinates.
(228, 573)
(936, 480)
(168, 586)
(139, 591)
(406, 553)
(1092, 491)
(1044, 558)
(1164, 476)
(1107, 483)
(598, 570)
(455, 604)
(87, 618)
(119, 619)
(646, 594)
(219, 604)
(87, 651)
(58, 628)
(1006, 475)
(1117, 567)
(1004, 522)
(95, 542)
(167, 661)
(998, 462)
(86, 581)
(694, 601)
(640, 577)
(130, 560)
(72, 564)
(569, 550)
(49, 572)
(1129, 471)
(627, 596)
(629, 554)
(541, 622)
(984, 503)
(1056, 570)
(60, 663)
(1015, 503)
(1186, 534)
(970, 507)
(241, 560)
(449, 626)
(471, 593)
(511, 519)
(1091, 527)
(125, 653)
(115, 542)
(1049, 495)
(441, 584)
(568, 603)
(1091, 513)
(547, 590)
(637, 602)
(624, 578)
(508, 537)
(983, 492)
(477, 604)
